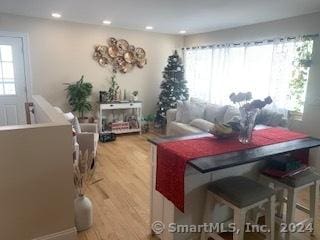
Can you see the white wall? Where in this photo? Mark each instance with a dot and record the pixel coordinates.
(61, 52)
(307, 24)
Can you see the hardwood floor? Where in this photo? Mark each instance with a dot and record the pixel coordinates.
(122, 199)
(121, 194)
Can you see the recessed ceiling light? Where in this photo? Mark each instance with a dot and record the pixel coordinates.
(106, 22)
(183, 32)
(56, 15)
(149, 27)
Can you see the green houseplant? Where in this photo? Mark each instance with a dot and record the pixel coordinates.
(77, 95)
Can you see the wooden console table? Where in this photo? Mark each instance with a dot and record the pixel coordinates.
(108, 110)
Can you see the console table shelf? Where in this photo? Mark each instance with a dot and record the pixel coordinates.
(120, 117)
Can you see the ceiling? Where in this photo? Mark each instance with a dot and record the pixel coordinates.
(166, 16)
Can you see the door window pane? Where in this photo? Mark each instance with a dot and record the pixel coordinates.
(7, 70)
(6, 53)
(9, 89)
(7, 80)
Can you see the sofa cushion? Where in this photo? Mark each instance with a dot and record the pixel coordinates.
(181, 129)
(232, 114)
(187, 111)
(214, 112)
(271, 118)
(198, 101)
(202, 124)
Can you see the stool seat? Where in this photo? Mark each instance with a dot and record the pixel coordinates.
(300, 179)
(240, 191)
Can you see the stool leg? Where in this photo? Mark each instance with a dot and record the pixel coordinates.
(280, 208)
(209, 205)
(270, 216)
(291, 209)
(314, 197)
(240, 221)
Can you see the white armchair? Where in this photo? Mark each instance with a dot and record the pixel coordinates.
(88, 138)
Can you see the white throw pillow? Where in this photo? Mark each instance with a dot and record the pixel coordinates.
(73, 121)
(188, 111)
(198, 101)
(214, 112)
(68, 116)
(58, 110)
(76, 125)
(232, 114)
(202, 124)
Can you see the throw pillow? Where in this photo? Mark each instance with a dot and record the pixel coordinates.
(232, 114)
(198, 101)
(68, 116)
(179, 111)
(58, 109)
(214, 112)
(76, 125)
(270, 118)
(202, 124)
(73, 121)
(189, 111)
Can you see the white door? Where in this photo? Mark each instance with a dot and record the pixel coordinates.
(12, 82)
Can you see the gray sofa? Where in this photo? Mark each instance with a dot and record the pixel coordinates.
(196, 116)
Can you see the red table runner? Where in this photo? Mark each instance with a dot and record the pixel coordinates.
(172, 157)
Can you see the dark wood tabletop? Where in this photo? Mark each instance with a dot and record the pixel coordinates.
(226, 160)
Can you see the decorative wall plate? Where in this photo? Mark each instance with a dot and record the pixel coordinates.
(113, 51)
(112, 42)
(120, 55)
(141, 63)
(140, 53)
(131, 48)
(129, 57)
(103, 61)
(122, 45)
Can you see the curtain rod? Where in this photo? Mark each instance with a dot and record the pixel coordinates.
(255, 42)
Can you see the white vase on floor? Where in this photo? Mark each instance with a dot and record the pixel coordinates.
(83, 213)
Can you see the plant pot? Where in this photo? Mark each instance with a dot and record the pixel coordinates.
(83, 213)
(83, 120)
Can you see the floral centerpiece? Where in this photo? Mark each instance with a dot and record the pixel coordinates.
(248, 112)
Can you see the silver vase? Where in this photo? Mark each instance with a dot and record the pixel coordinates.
(83, 213)
(247, 123)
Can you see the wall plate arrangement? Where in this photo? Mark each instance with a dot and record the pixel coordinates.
(120, 55)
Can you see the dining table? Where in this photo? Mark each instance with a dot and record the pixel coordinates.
(210, 166)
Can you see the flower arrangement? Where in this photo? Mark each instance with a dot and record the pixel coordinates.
(83, 172)
(243, 100)
(248, 112)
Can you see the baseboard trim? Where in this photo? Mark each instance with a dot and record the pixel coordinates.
(68, 234)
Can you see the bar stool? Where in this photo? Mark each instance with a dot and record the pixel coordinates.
(240, 194)
(292, 185)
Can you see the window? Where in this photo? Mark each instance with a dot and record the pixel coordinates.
(271, 68)
(7, 85)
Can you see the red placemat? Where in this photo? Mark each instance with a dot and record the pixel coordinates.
(172, 157)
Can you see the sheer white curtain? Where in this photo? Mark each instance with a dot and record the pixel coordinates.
(265, 69)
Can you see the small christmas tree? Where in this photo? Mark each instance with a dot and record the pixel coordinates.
(173, 88)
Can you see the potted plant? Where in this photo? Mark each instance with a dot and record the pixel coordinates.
(147, 121)
(78, 94)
